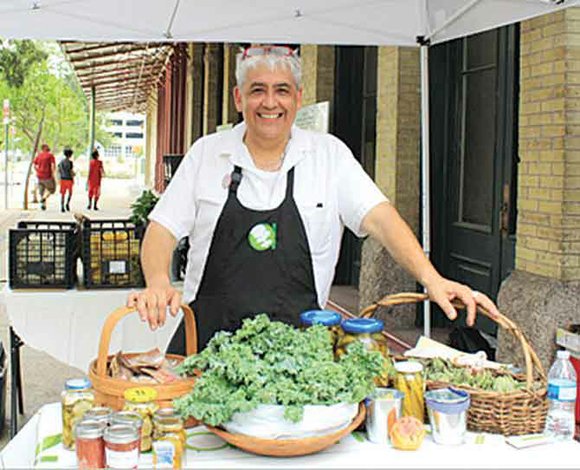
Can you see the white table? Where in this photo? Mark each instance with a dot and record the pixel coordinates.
(349, 453)
(67, 324)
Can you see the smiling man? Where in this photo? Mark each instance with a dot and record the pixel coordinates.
(264, 206)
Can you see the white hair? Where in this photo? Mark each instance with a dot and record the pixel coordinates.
(272, 61)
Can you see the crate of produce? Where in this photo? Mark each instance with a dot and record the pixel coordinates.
(514, 404)
(110, 254)
(43, 254)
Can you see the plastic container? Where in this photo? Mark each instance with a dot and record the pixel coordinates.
(447, 409)
(43, 255)
(142, 401)
(560, 421)
(409, 380)
(77, 398)
(368, 331)
(111, 254)
(89, 444)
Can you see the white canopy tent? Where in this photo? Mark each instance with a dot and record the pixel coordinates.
(360, 22)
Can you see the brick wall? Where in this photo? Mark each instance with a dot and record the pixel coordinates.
(548, 235)
(317, 73)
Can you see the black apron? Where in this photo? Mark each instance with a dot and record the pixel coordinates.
(258, 262)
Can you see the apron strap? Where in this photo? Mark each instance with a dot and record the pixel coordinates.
(290, 184)
(236, 178)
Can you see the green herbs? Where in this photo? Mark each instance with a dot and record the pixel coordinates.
(269, 362)
(439, 370)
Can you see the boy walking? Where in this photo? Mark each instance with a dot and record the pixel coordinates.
(66, 174)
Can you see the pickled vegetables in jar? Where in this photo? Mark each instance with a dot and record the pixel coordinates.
(368, 331)
(77, 398)
(409, 380)
(142, 400)
(326, 318)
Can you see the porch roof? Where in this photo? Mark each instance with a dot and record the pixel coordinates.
(123, 73)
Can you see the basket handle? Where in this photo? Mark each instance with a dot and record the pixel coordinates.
(530, 356)
(117, 315)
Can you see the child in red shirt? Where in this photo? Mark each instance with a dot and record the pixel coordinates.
(96, 173)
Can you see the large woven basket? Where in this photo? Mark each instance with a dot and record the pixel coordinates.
(109, 391)
(507, 413)
(288, 447)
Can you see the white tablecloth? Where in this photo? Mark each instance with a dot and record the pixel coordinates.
(350, 452)
(67, 324)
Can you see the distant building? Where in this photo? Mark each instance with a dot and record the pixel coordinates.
(128, 132)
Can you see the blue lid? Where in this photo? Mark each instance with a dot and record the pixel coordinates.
(77, 384)
(362, 325)
(320, 317)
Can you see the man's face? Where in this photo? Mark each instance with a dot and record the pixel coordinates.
(268, 101)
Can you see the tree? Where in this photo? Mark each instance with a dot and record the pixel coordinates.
(46, 100)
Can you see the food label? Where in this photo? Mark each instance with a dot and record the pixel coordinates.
(122, 459)
(163, 454)
(562, 390)
(117, 267)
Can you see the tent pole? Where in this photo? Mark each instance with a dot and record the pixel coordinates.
(425, 194)
(92, 122)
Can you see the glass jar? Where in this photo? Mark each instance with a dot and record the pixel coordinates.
(327, 318)
(77, 398)
(409, 380)
(168, 442)
(99, 413)
(89, 444)
(121, 446)
(368, 331)
(158, 421)
(141, 400)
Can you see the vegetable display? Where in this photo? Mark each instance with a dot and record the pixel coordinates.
(269, 362)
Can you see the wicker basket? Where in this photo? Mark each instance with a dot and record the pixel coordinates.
(288, 447)
(109, 391)
(507, 413)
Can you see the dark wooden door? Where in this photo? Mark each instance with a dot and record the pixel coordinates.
(474, 158)
(354, 121)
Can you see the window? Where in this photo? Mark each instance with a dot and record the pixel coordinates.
(115, 122)
(118, 134)
(134, 135)
(134, 122)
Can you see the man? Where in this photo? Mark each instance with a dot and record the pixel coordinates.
(66, 174)
(44, 165)
(264, 206)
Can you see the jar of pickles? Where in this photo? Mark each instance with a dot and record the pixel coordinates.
(168, 442)
(327, 318)
(409, 380)
(367, 331)
(142, 400)
(77, 398)
(158, 421)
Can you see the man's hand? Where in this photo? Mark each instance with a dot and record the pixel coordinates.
(442, 291)
(152, 304)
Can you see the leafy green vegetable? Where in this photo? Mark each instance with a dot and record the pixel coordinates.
(269, 362)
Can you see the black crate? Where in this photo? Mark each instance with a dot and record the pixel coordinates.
(170, 164)
(43, 254)
(111, 254)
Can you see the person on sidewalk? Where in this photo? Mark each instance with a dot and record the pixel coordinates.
(45, 167)
(96, 173)
(264, 206)
(66, 174)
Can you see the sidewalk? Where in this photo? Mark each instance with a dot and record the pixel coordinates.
(43, 376)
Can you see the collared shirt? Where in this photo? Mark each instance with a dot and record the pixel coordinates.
(331, 191)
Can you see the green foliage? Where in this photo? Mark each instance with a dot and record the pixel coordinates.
(142, 206)
(17, 60)
(270, 362)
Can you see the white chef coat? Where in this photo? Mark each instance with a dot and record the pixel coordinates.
(331, 191)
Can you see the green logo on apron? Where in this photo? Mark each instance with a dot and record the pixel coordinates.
(262, 237)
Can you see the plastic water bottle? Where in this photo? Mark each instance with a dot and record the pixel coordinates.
(561, 398)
